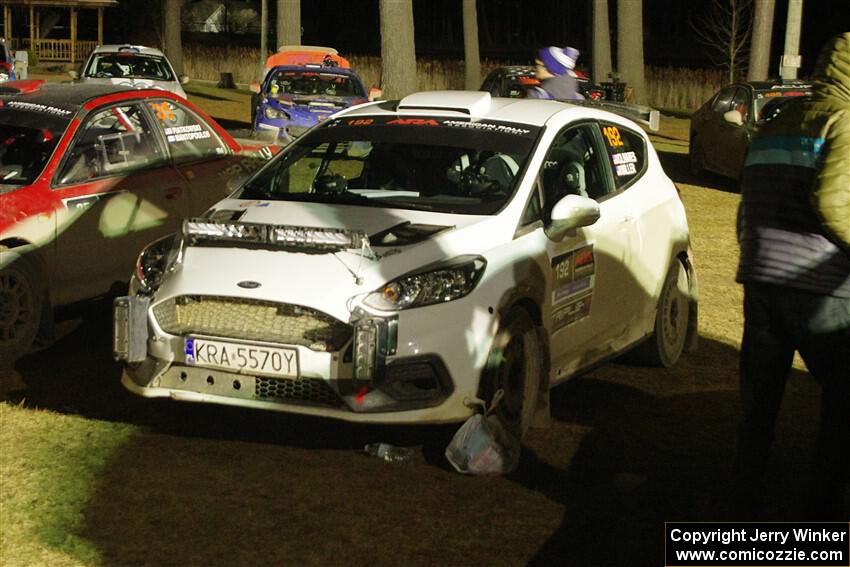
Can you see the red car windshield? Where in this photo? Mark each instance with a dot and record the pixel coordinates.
(24, 151)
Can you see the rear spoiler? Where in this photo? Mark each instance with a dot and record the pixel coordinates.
(646, 116)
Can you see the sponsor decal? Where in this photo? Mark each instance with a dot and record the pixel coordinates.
(186, 133)
(572, 288)
(489, 127)
(571, 312)
(413, 122)
(33, 107)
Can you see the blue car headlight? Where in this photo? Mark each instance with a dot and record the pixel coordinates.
(438, 284)
(275, 114)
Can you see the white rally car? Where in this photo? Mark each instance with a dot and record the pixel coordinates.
(406, 257)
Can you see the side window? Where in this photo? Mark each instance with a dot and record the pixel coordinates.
(626, 153)
(723, 102)
(187, 136)
(111, 141)
(741, 103)
(573, 166)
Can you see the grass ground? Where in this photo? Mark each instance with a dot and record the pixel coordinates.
(92, 476)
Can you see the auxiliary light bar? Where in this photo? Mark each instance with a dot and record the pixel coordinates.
(198, 230)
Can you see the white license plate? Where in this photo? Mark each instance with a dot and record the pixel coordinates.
(244, 358)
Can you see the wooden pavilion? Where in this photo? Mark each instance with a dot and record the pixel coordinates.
(70, 50)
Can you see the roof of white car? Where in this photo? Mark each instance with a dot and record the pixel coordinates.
(476, 105)
(114, 48)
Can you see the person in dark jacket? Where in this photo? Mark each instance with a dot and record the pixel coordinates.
(554, 67)
(795, 268)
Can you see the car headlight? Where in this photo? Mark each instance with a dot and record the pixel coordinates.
(155, 260)
(275, 114)
(438, 284)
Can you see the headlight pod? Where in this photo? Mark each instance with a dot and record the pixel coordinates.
(156, 259)
(275, 114)
(436, 284)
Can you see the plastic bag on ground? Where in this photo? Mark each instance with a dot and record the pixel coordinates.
(482, 445)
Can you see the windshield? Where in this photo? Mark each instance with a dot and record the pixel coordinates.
(770, 104)
(434, 164)
(129, 65)
(26, 145)
(289, 82)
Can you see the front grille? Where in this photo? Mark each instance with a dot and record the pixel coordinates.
(252, 320)
(308, 390)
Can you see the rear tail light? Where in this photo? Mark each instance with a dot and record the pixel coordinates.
(5, 66)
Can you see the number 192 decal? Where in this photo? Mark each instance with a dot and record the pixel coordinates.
(612, 134)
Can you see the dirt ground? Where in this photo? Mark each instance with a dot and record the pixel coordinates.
(628, 449)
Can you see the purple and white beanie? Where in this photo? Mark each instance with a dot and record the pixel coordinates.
(558, 61)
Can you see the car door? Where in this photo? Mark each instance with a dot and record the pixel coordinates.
(587, 302)
(119, 193)
(712, 133)
(734, 139)
(202, 158)
(649, 204)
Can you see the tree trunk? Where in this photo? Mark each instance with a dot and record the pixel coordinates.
(288, 22)
(601, 42)
(173, 42)
(630, 46)
(472, 59)
(264, 36)
(398, 52)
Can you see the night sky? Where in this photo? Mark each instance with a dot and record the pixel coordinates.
(511, 29)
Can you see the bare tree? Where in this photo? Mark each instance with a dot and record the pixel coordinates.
(472, 58)
(173, 41)
(759, 68)
(398, 51)
(630, 46)
(264, 36)
(725, 31)
(601, 65)
(288, 22)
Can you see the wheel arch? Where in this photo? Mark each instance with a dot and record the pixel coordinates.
(18, 249)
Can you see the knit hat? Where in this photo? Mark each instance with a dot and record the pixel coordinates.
(558, 61)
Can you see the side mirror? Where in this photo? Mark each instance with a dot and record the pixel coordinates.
(255, 87)
(375, 93)
(733, 117)
(74, 75)
(571, 212)
(184, 79)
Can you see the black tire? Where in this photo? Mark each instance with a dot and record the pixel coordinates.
(514, 365)
(696, 156)
(20, 311)
(667, 342)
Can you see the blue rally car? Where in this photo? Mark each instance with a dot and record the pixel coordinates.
(303, 85)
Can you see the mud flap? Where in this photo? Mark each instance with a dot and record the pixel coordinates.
(130, 328)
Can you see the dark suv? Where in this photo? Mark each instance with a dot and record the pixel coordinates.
(721, 130)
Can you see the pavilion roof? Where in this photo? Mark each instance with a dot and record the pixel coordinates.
(63, 3)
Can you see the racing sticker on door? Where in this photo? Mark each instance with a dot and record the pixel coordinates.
(572, 291)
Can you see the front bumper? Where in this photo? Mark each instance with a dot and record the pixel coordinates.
(401, 382)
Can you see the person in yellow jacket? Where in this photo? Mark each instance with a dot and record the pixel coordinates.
(794, 236)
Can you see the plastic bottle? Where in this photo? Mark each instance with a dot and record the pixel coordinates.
(389, 453)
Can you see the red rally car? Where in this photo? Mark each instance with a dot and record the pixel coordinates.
(90, 174)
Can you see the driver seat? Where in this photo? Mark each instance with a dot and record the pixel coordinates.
(571, 180)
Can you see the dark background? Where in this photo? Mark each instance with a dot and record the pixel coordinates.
(509, 30)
